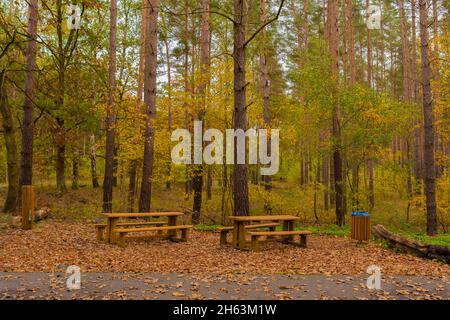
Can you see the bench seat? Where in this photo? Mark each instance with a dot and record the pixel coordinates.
(224, 231)
(122, 232)
(101, 227)
(288, 234)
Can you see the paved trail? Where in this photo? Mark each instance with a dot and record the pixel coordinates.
(240, 286)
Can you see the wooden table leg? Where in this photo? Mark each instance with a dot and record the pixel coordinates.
(108, 230)
(172, 222)
(112, 235)
(241, 235)
(235, 234)
(291, 228)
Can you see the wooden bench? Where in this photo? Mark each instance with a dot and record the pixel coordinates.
(225, 230)
(255, 236)
(122, 232)
(101, 227)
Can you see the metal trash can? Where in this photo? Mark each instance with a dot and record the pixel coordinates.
(360, 226)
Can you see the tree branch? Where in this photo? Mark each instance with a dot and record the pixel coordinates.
(265, 24)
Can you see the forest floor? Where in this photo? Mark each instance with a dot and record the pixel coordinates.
(33, 265)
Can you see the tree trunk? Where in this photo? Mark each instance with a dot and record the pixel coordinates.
(95, 183)
(169, 110)
(337, 159)
(417, 130)
(110, 114)
(351, 42)
(75, 171)
(60, 135)
(265, 83)
(26, 163)
(411, 246)
(9, 133)
(197, 181)
(150, 105)
(132, 171)
(240, 183)
(430, 183)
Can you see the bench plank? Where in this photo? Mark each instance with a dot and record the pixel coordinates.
(280, 233)
(224, 231)
(122, 232)
(141, 215)
(127, 230)
(302, 233)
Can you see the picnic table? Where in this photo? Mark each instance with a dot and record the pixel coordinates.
(113, 218)
(240, 222)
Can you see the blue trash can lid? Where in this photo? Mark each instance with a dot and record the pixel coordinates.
(360, 214)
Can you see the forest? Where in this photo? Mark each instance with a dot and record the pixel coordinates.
(92, 90)
(138, 136)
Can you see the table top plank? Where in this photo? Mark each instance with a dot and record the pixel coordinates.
(264, 218)
(142, 214)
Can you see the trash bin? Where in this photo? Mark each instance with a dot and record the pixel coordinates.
(360, 226)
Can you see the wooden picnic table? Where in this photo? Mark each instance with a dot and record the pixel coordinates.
(240, 222)
(113, 218)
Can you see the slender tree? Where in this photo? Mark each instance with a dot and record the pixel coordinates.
(197, 179)
(430, 170)
(333, 40)
(149, 104)
(110, 113)
(9, 133)
(134, 162)
(265, 87)
(26, 163)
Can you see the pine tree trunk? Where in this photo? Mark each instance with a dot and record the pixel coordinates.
(132, 171)
(26, 163)
(197, 181)
(150, 105)
(265, 83)
(240, 183)
(430, 183)
(108, 180)
(337, 159)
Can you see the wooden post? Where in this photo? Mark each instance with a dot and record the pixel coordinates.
(255, 244)
(27, 207)
(172, 222)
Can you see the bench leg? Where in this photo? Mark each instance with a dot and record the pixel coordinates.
(223, 238)
(121, 240)
(184, 234)
(271, 229)
(255, 243)
(303, 240)
(100, 233)
(160, 232)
